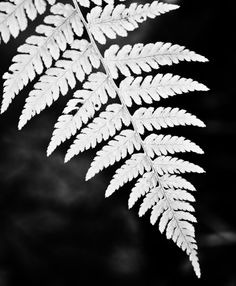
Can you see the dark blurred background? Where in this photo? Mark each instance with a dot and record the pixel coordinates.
(57, 229)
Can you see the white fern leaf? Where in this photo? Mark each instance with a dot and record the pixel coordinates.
(142, 187)
(40, 50)
(81, 108)
(172, 208)
(167, 196)
(149, 88)
(123, 144)
(164, 144)
(142, 57)
(178, 194)
(14, 16)
(112, 21)
(132, 168)
(152, 198)
(185, 216)
(173, 181)
(171, 165)
(100, 129)
(149, 118)
(75, 65)
(181, 232)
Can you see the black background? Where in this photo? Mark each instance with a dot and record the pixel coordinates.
(57, 229)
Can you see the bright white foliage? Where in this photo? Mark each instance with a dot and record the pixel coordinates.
(151, 89)
(136, 165)
(142, 57)
(40, 50)
(149, 118)
(173, 210)
(142, 187)
(164, 144)
(100, 129)
(173, 181)
(76, 64)
(14, 16)
(84, 104)
(112, 21)
(145, 156)
(170, 165)
(123, 144)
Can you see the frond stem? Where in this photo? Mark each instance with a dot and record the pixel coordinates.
(131, 120)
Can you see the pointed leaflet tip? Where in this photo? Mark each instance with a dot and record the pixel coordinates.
(203, 87)
(88, 177)
(49, 152)
(21, 124)
(24, 118)
(67, 158)
(173, 6)
(4, 106)
(108, 193)
(50, 149)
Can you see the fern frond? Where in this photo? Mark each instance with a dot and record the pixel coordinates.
(150, 200)
(142, 187)
(175, 217)
(112, 21)
(123, 144)
(40, 50)
(181, 195)
(76, 64)
(173, 181)
(84, 104)
(164, 144)
(149, 89)
(100, 129)
(133, 167)
(171, 165)
(142, 57)
(165, 194)
(149, 118)
(14, 16)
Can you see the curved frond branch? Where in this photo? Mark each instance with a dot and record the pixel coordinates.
(145, 156)
(181, 234)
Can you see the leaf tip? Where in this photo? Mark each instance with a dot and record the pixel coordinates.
(67, 158)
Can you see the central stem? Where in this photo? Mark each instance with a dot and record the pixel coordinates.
(132, 122)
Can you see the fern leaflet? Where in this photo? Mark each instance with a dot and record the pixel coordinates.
(14, 16)
(141, 57)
